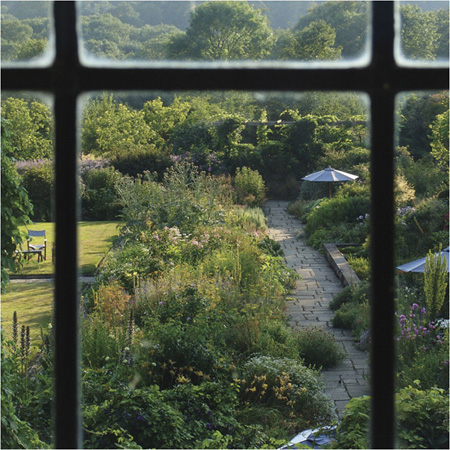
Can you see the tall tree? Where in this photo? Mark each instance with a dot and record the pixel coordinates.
(30, 127)
(349, 19)
(314, 42)
(15, 208)
(224, 31)
(420, 37)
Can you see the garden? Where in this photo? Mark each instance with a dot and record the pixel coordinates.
(184, 334)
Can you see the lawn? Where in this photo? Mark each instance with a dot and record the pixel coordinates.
(33, 302)
(95, 239)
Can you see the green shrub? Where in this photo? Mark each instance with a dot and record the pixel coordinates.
(140, 160)
(352, 308)
(417, 227)
(303, 208)
(99, 199)
(288, 385)
(353, 430)
(247, 218)
(422, 420)
(131, 418)
(275, 339)
(249, 187)
(39, 181)
(360, 265)
(339, 209)
(318, 348)
(355, 293)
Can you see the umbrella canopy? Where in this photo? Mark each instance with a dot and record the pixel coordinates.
(419, 264)
(329, 175)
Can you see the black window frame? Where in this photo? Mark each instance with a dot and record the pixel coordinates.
(382, 79)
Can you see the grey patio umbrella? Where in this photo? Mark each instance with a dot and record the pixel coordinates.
(330, 175)
(419, 264)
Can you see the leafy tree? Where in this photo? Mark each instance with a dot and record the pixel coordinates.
(163, 119)
(442, 21)
(108, 125)
(31, 49)
(417, 112)
(31, 128)
(439, 141)
(314, 42)
(224, 31)
(349, 19)
(15, 208)
(419, 33)
(14, 34)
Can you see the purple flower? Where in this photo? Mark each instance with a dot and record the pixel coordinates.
(140, 418)
(209, 426)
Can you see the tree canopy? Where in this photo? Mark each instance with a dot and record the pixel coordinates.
(224, 31)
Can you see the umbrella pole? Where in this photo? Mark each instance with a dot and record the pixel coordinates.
(329, 188)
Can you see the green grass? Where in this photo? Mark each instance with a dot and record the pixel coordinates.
(33, 302)
(95, 239)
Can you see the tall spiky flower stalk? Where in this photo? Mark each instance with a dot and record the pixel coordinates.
(27, 342)
(23, 345)
(15, 328)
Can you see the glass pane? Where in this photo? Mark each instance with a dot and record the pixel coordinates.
(27, 32)
(150, 31)
(27, 269)
(422, 162)
(424, 32)
(213, 304)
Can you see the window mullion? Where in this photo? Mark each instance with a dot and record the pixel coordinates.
(382, 231)
(67, 346)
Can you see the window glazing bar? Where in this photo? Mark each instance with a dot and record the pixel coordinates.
(67, 420)
(382, 231)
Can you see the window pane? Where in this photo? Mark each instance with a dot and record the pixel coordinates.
(151, 31)
(185, 331)
(422, 162)
(424, 32)
(27, 32)
(27, 300)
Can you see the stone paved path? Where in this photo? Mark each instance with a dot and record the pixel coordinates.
(309, 304)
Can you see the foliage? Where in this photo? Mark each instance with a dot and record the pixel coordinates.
(30, 128)
(39, 181)
(347, 19)
(353, 430)
(318, 348)
(224, 31)
(422, 420)
(422, 347)
(419, 228)
(439, 141)
(140, 160)
(417, 112)
(351, 308)
(360, 265)
(336, 219)
(15, 210)
(419, 33)
(314, 42)
(249, 187)
(99, 199)
(288, 385)
(435, 282)
(108, 127)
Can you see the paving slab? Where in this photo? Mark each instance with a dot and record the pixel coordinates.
(307, 304)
